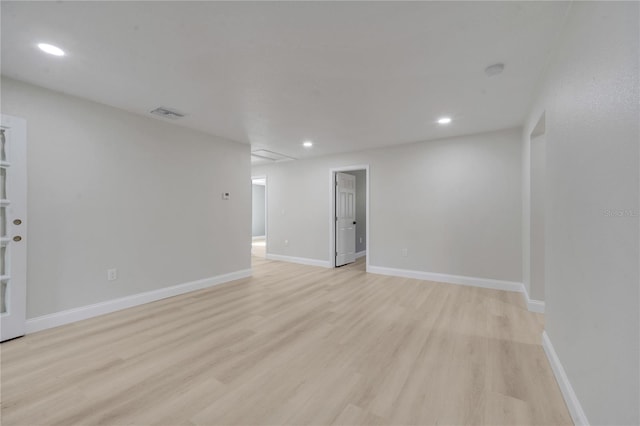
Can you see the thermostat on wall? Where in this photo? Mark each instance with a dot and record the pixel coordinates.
(225, 195)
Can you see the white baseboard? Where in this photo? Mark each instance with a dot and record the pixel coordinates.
(575, 409)
(301, 260)
(532, 304)
(77, 314)
(361, 254)
(450, 279)
(259, 237)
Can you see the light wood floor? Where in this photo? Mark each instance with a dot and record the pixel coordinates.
(292, 345)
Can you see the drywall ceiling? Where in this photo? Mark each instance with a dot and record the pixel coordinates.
(346, 75)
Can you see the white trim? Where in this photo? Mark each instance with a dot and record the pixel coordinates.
(450, 279)
(300, 260)
(332, 210)
(84, 312)
(361, 254)
(535, 306)
(575, 409)
(532, 304)
(259, 237)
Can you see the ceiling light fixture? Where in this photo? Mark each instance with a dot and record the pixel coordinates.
(307, 144)
(51, 49)
(494, 69)
(444, 120)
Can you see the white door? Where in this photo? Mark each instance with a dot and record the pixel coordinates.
(13, 227)
(345, 219)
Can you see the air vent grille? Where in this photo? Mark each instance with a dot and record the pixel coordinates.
(167, 113)
(270, 155)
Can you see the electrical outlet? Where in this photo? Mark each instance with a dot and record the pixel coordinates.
(286, 243)
(112, 274)
(405, 252)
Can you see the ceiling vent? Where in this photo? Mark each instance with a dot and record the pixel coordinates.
(167, 113)
(263, 154)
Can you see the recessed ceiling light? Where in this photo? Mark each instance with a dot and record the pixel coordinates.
(494, 69)
(444, 120)
(307, 144)
(51, 49)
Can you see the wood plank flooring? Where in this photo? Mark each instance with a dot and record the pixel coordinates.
(292, 345)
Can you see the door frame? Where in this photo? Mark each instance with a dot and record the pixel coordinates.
(266, 210)
(539, 131)
(332, 211)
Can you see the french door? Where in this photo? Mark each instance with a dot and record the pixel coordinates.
(13, 226)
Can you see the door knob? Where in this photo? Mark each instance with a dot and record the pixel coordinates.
(17, 238)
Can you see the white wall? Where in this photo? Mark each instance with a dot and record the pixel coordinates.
(109, 189)
(590, 99)
(455, 204)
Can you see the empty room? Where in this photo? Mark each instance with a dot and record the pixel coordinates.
(320, 213)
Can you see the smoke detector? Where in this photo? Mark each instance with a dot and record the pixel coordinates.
(167, 113)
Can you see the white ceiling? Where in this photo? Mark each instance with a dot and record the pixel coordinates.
(349, 76)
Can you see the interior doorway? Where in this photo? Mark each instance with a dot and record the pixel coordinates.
(345, 218)
(349, 217)
(258, 216)
(535, 265)
(537, 214)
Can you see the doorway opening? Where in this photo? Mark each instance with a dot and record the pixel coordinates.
(349, 217)
(537, 209)
(258, 216)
